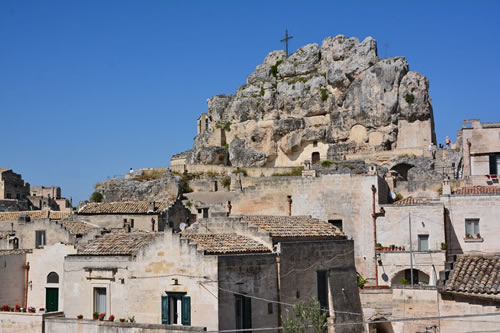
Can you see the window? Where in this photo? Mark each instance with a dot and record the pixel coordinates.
(205, 213)
(52, 277)
(494, 164)
(336, 223)
(100, 300)
(176, 309)
(423, 242)
(315, 143)
(243, 311)
(471, 227)
(39, 238)
(7, 195)
(322, 278)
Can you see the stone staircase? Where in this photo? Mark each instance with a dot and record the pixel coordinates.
(444, 275)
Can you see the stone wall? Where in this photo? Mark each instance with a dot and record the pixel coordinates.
(253, 275)
(12, 186)
(12, 277)
(141, 221)
(329, 197)
(486, 208)
(42, 262)
(15, 322)
(415, 134)
(146, 277)
(26, 232)
(300, 263)
(227, 170)
(64, 325)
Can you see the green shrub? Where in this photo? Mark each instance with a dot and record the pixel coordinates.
(345, 165)
(361, 280)
(212, 174)
(96, 197)
(150, 175)
(226, 182)
(274, 68)
(326, 164)
(409, 98)
(293, 173)
(371, 63)
(254, 138)
(308, 316)
(399, 196)
(224, 125)
(261, 91)
(241, 170)
(404, 281)
(324, 94)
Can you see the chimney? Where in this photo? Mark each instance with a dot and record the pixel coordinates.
(151, 207)
(446, 187)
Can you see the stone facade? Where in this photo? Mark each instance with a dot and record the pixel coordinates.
(12, 275)
(481, 212)
(12, 186)
(480, 144)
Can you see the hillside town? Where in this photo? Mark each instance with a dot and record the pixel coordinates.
(320, 183)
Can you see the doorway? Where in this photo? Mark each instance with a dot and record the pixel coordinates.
(51, 299)
(315, 157)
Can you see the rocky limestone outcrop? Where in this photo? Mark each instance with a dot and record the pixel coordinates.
(119, 189)
(326, 94)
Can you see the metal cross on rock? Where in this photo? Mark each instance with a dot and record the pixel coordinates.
(286, 39)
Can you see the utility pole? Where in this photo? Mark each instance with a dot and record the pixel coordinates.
(411, 252)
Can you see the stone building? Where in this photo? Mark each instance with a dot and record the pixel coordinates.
(480, 145)
(139, 215)
(221, 273)
(12, 185)
(39, 247)
(423, 221)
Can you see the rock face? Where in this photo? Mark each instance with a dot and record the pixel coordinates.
(119, 189)
(340, 95)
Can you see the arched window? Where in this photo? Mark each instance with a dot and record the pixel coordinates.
(52, 277)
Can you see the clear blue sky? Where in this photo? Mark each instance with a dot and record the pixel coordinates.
(89, 89)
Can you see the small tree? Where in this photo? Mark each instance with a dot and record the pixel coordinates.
(306, 314)
(96, 197)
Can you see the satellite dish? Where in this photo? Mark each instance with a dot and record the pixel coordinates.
(182, 226)
(393, 195)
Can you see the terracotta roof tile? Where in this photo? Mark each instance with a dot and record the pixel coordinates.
(477, 190)
(33, 214)
(59, 215)
(77, 227)
(475, 275)
(11, 252)
(122, 207)
(226, 243)
(411, 201)
(118, 243)
(294, 226)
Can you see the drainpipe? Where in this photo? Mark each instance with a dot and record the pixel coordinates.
(278, 275)
(27, 268)
(374, 217)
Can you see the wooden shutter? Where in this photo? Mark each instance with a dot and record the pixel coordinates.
(164, 310)
(186, 310)
(247, 312)
(493, 165)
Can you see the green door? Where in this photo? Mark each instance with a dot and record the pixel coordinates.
(51, 299)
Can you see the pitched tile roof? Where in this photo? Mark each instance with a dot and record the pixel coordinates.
(16, 251)
(59, 215)
(226, 243)
(475, 275)
(294, 226)
(77, 227)
(411, 201)
(477, 190)
(118, 243)
(122, 207)
(34, 215)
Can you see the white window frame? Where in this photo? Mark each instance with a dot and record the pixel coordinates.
(474, 223)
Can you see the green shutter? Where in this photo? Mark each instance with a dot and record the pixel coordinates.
(186, 310)
(493, 165)
(164, 310)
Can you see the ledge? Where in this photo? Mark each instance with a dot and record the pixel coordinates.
(474, 240)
